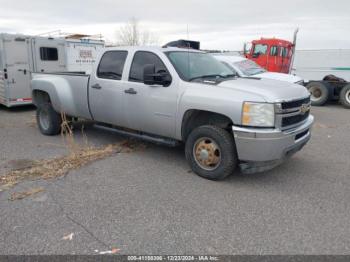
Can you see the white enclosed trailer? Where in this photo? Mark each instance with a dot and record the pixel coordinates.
(81, 54)
(314, 65)
(21, 55)
(326, 74)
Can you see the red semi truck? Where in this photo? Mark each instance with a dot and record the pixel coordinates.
(326, 72)
(275, 55)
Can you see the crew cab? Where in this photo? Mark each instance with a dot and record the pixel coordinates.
(248, 68)
(173, 96)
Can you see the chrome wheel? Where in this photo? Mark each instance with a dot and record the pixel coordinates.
(207, 153)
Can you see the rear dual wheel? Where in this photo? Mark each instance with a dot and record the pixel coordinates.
(48, 120)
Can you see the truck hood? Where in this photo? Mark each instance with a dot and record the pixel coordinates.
(279, 76)
(269, 90)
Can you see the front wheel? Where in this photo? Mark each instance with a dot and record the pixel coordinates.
(345, 96)
(49, 121)
(211, 152)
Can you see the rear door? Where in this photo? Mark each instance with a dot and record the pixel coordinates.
(273, 61)
(106, 88)
(16, 62)
(285, 57)
(48, 55)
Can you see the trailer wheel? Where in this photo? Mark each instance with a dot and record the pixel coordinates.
(49, 121)
(211, 152)
(345, 96)
(319, 93)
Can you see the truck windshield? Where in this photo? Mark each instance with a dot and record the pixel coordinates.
(194, 66)
(249, 68)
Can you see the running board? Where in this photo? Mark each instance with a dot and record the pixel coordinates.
(138, 135)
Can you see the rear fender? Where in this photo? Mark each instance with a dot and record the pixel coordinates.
(58, 90)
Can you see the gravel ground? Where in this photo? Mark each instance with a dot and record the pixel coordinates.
(148, 201)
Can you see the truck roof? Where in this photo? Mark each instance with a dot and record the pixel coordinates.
(272, 41)
(230, 59)
(152, 48)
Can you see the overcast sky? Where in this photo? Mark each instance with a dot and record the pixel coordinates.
(219, 24)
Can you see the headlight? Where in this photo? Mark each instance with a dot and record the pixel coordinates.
(258, 114)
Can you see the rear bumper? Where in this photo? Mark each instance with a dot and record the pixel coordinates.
(16, 102)
(262, 149)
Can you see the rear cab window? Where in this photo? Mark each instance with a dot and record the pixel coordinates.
(112, 65)
(273, 50)
(142, 58)
(284, 51)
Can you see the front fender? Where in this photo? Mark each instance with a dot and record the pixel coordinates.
(214, 102)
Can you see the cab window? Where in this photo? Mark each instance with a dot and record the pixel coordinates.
(259, 49)
(112, 64)
(284, 51)
(274, 51)
(142, 58)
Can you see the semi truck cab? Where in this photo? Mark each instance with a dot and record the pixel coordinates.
(273, 54)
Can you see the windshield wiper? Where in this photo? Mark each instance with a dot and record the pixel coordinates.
(213, 75)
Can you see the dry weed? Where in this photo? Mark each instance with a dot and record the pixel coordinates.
(24, 194)
(78, 156)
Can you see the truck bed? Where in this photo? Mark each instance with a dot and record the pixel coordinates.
(74, 97)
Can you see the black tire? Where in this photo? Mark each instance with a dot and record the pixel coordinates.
(344, 96)
(319, 93)
(49, 121)
(220, 140)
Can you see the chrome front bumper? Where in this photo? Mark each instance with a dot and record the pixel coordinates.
(262, 149)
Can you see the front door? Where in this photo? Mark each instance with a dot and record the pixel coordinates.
(106, 89)
(150, 109)
(259, 55)
(16, 59)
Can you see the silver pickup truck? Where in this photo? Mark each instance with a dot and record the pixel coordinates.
(172, 96)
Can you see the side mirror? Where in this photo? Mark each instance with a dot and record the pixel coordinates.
(151, 77)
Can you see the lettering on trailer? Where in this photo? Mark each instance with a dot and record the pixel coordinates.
(85, 56)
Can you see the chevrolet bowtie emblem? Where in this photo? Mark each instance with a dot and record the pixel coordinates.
(304, 108)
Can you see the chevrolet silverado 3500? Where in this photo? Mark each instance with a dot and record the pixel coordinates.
(172, 95)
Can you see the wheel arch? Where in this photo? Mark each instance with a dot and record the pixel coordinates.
(193, 118)
(45, 91)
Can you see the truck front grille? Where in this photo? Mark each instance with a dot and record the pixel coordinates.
(296, 103)
(293, 113)
(292, 120)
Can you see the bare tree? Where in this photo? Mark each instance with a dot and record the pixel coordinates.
(133, 34)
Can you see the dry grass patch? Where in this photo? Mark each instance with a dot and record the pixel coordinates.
(78, 155)
(24, 194)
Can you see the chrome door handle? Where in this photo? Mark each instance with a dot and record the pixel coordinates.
(130, 91)
(96, 86)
